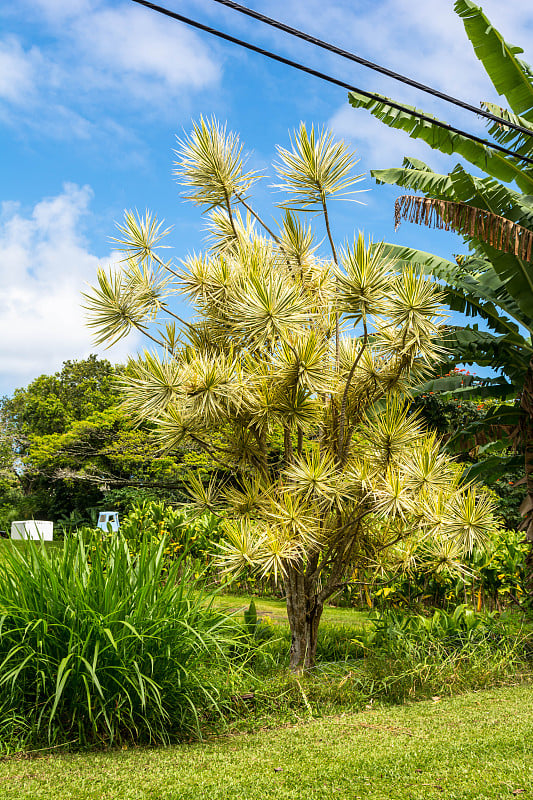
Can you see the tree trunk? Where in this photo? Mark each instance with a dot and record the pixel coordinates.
(526, 506)
(287, 445)
(304, 613)
(300, 441)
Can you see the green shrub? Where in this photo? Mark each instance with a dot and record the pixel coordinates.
(397, 632)
(153, 520)
(509, 493)
(97, 645)
(339, 642)
(495, 578)
(399, 656)
(502, 567)
(412, 656)
(447, 415)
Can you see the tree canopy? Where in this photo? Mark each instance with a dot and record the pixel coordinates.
(50, 403)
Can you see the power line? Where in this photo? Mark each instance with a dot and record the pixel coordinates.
(329, 79)
(274, 23)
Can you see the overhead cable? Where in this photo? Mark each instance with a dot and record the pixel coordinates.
(274, 23)
(329, 79)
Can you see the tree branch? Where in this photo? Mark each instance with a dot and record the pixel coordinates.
(334, 252)
(259, 219)
(342, 416)
(230, 214)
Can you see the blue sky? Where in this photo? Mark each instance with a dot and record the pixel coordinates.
(93, 93)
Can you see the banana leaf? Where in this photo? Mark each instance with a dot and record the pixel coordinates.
(504, 168)
(509, 137)
(488, 470)
(509, 75)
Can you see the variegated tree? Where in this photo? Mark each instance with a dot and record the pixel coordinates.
(321, 349)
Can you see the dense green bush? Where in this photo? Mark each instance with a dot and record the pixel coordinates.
(152, 520)
(446, 415)
(397, 632)
(493, 578)
(412, 655)
(509, 494)
(391, 632)
(98, 646)
(450, 417)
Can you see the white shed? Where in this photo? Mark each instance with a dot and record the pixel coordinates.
(106, 518)
(32, 529)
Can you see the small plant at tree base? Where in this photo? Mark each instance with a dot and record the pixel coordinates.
(270, 351)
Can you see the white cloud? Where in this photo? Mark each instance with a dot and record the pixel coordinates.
(426, 41)
(44, 264)
(423, 39)
(18, 70)
(99, 61)
(135, 45)
(60, 10)
(105, 58)
(379, 146)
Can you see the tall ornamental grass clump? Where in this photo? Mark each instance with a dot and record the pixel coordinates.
(98, 646)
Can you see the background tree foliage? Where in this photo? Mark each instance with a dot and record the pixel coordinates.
(67, 448)
(51, 403)
(45, 410)
(269, 352)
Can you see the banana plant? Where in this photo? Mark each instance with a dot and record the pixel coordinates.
(494, 215)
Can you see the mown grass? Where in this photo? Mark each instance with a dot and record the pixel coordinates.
(276, 610)
(475, 747)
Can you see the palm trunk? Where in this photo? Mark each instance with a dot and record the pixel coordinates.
(526, 507)
(304, 613)
(527, 504)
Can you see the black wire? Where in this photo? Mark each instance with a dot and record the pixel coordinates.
(274, 23)
(335, 81)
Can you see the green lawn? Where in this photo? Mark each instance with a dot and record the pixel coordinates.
(472, 747)
(276, 610)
